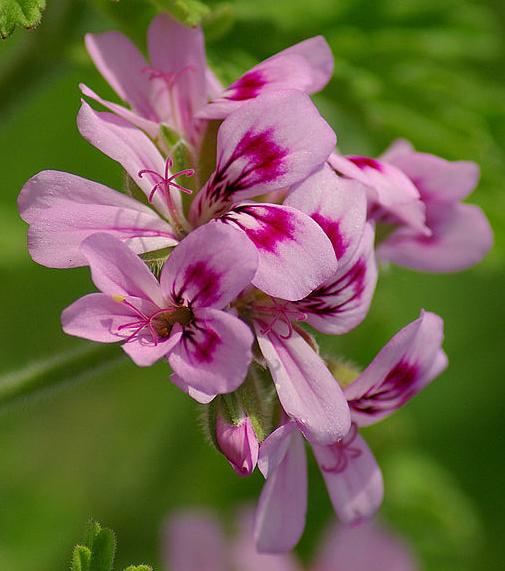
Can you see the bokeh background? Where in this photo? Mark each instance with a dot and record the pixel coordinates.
(126, 446)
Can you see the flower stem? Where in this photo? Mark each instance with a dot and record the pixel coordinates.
(54, 373)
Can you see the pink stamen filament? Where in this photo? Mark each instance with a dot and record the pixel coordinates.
(281, 312)
(143, 322)
(170, 77)
(164, 183)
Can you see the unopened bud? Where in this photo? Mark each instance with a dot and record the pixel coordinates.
(238, 443)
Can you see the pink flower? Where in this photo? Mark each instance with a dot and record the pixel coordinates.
(238, 443)
(259, 149)
(192, 540)
(460, 233)
(180, 317)
(411, 360)
(175, 86)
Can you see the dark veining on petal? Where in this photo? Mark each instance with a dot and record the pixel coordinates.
(202, 279)
(274, 226)
(247, 87)
(201, 342)
(398, 386)
(332, 229)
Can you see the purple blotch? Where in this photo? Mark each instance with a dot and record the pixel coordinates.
(332, 229)
(205, 281)
(247, 87)
(275, 225)
(205, 349)
(363, 162)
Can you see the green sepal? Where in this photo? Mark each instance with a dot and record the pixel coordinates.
(102, 543)
(80, 558)
(189, 12)
(133, 190)
(19, 13)
(208, 150)
(169, 136)
(343, 370)
(139, 568)
(156, 259)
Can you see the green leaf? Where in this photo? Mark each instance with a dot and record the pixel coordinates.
(139, 568)
(103, 548)
(15, 13)
(80, 558)
(189, 12)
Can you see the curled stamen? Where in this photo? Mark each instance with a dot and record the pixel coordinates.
(167, 180)
(344, 452)
(280, 311)
(170, 77)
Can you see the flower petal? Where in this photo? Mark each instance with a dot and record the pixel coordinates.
(129, 146)
(261, 148)
(150, 127)
(306, 66)
(307, 390)
(244, 555)
(193, 541)
(343, 301)
(116, 270)
(178, 51)
(367, 547)
(337, 204)
(280, 517)
(210, 267)
(199, 396)
(404, 366)
(461, 237)
(391, 194)
(214, 353)
(145, 353)
(437, 179)
(353, 478)
(295, 256)
(63, 209)
(123, 66)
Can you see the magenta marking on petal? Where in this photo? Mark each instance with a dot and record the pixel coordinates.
(363, 162)
(202, 350)
(397, 387)
(247, 87)
(349, 287)
(203, 280)
(332, 229)
(343, 452)
(275, 226)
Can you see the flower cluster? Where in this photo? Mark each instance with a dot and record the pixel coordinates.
(192, 540)
(240, 226)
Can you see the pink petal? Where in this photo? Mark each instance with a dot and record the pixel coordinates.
(341, 304)
(295, 256)
(307, 390)
(150, 127)
(306, 66)
(199, 396)
(122, 65)
(352, 476)
(280, 517)
(210, 267)
(390, 192)
(179, 51)
(337, 204)
(145, 353)
(64, 209)
(244, 555)
(192, 541)
(461, 237)
(260, 148)
(404, 366)
(97, 317)
(214, 353)
(127, 145)
(437, 179)
(367, 547)
(116, 270)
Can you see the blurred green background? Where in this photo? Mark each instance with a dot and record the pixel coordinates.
(126, 447)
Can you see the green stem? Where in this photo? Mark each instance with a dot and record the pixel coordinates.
(57, 372)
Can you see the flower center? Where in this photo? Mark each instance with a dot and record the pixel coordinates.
(164, 321)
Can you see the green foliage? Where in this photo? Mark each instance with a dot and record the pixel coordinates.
(19, 13)
(190, 12)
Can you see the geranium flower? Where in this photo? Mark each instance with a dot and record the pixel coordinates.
(182, 316)
(406, 364)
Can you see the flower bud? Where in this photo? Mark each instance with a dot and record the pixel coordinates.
(238, 443)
